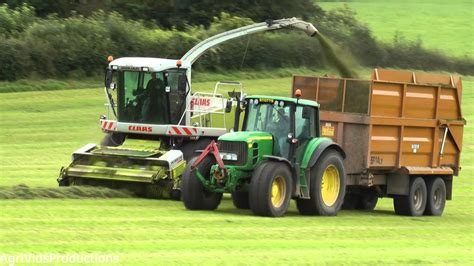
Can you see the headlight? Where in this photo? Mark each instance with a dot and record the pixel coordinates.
(228, 156)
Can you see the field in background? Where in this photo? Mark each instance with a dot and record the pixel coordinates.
(440, 24)
(39, 130)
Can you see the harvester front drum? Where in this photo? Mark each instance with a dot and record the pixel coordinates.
(270, 189)
(113, 139)
(194, 194)
(327, 186)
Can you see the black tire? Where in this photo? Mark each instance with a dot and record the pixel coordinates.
(351, 200)
(241, 199)
(367, 199)
(414, 203)
(194, 195)
(436, 193)
(265, 179)
(64, 182)
(331, 160)
(176, 194)
(190, 147)
(113, 139)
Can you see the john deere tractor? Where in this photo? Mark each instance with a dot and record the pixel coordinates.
(276, 155)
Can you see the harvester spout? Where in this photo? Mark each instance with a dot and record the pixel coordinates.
(293, 23)
(307, 27)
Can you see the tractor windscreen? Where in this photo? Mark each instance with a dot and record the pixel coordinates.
(271, 117)
(151, 98)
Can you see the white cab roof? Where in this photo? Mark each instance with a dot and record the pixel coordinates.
(154, 64)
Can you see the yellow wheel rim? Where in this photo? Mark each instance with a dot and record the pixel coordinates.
(330, 184)
(278, 191)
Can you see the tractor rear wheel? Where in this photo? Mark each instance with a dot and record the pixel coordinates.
(414, 203)
(270, 189)
(194, 194)
(436, 196)
(328, 186)
(241, 199)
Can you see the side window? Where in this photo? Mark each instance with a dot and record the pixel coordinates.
(304, 118)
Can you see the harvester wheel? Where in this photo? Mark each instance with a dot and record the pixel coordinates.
(270, 189)
(414, 203)
(328, 186)
(241, 199)
(436, 196)
(367, 199)
(195, 196)
(113, 140)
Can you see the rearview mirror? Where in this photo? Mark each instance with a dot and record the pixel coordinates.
(228, 106)
(108, 78)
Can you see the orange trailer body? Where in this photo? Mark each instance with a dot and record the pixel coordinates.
(396, 125)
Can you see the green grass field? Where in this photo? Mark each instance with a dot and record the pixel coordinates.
(440, 24)
(39, 130)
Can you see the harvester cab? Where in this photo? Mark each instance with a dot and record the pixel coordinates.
(154, 122)
(277, 154)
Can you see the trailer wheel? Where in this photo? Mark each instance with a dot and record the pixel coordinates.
(241, 199)
(414, 203)
(367, 199)
(328, 185)
(436, 196)
(270, 189)
(194, 195)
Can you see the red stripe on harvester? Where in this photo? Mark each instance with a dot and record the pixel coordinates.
(195, 130)
(187, 131)
(105, 124)
(110, 125)
(176, 130)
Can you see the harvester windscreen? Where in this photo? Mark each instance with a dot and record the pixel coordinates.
(151, 98)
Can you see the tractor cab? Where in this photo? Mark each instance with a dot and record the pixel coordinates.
(289, 121)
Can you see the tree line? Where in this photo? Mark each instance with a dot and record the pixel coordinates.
(57, 44)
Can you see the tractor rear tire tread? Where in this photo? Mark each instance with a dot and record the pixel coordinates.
(315, 205)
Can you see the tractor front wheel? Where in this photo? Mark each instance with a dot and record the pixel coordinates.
(194, 194)
(270, 189)
(328, 186)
